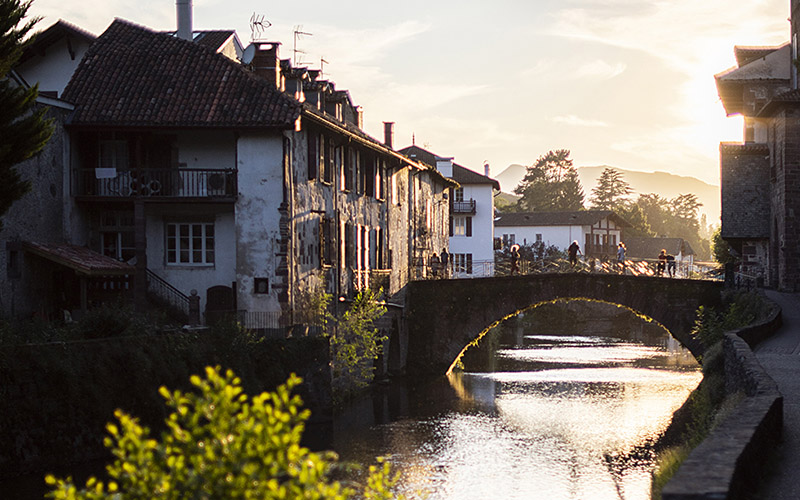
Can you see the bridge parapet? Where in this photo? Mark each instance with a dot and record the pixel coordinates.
(445, 316)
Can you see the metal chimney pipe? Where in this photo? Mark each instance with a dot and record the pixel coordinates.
(486, 169)
(184, 8)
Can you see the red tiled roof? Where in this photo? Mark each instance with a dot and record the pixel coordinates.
(132, 76)
(213, 39)
(80, 259)
(462, 175)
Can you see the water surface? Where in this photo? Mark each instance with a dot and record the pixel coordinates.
(562, 417)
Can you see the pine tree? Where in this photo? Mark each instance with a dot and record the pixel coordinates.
(551, 184)
(611, 192)
(23, 129)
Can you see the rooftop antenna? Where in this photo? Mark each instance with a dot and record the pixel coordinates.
(322, 62)
(298, 33)
(257, 26)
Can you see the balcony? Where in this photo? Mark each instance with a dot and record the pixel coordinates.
(181, 184)
(464, 207)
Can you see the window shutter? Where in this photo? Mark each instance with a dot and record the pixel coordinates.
(451, 225)
(469, 226)
(469, 263)
(313, 158)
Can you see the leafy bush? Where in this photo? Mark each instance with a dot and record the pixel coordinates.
(220, 444)
(355, 344)
(741, 309)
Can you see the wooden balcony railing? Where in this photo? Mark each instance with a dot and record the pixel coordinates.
(155, 183)
(464, 207)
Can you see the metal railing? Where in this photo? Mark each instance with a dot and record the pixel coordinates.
(464, 207)
(155, 183)
(167, 294)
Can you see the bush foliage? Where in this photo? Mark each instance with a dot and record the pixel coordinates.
(220, 444)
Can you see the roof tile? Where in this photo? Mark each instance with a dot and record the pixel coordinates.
(132, 76)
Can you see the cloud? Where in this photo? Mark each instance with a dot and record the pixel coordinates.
(575, 121)
(553, 70)
(600, 69)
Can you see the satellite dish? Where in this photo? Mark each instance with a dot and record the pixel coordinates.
(248, 54)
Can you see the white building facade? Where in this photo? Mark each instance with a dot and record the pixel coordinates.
(471, 221)
(597, 231)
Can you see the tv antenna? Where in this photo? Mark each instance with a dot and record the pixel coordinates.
(322, 62)
(298, 33)
(257, 26)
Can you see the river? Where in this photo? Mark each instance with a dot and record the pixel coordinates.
(559, 417)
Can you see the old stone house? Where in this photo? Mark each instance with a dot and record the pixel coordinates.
(250, 185)
(759, 176)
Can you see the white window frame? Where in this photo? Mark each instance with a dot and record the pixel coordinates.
(174, 253)
(460, 226)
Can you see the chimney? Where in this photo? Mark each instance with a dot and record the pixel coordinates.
(184, 8)
(445, 166)
(267, 64)
(486, 168)
(388, 134)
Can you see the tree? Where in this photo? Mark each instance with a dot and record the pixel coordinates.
(23, 129)
(611, 192)
(551, 184)
(355, 344)
(720, 249)
(634, 215)
(221, 444)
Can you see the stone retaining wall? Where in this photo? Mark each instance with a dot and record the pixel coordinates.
(727, 464)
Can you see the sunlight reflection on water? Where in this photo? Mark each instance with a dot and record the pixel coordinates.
(557, 432)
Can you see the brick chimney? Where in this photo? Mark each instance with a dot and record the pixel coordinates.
(388, 134)
(267, 64)
(184, 11)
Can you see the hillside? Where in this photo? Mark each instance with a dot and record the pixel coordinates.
(662, 183)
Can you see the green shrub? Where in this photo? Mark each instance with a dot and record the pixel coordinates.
(220, 444)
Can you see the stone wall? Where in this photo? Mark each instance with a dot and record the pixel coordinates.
(745, 190)
(444, 316)
(728, 463)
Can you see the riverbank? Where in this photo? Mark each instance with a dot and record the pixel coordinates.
(728, 463)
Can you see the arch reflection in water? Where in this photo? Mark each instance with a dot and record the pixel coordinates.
(563, 417)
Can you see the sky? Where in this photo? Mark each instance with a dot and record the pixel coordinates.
(625, 83)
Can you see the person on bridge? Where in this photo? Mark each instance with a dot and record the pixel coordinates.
(573, 252)
(514, 259)
(671, 265)
(621, 255)
(445, 258)
(435, 263)
(662, 262)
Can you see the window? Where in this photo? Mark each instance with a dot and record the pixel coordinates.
(117, 235)
(327, 244)
(458, 194)
(113, 154)
(328, 161)
(538, 237)
(462, 263)
(459, 226)
(393, 186)
(509, 240)
(190, 243)
(260, 285)
(313, 154)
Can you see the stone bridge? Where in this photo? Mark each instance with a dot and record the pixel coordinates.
(444, 316)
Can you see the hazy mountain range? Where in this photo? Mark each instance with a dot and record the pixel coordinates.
(662, 183)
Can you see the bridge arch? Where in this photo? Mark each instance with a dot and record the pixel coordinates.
(564, 304)
(445, 316)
